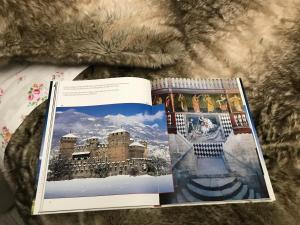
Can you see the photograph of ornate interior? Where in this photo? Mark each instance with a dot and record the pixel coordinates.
(213, 150)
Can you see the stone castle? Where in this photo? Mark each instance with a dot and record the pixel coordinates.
(120, 147)
(121, 155)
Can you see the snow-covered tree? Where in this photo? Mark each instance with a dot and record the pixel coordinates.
(102, 170)
(59, 169)
(157, 166)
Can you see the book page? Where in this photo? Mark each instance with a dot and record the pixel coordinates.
(104, 91)
(215, 154)
(102, 149)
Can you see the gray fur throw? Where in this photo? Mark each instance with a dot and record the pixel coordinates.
(257, 40)
(127, 32)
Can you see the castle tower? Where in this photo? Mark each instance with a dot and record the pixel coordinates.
(136, 150)
(92, 145)
(118, 142)
(145, 149)
(67, 145)
(102, 151)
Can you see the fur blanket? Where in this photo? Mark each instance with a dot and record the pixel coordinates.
(255, 40)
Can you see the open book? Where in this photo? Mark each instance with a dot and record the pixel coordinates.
(128, 142)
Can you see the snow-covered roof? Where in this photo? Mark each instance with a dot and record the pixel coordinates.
(94, 137)
(80, 153)
(136, 144)
(120, 130)
(70, 135)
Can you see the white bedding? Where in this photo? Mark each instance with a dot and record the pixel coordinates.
(22, 88)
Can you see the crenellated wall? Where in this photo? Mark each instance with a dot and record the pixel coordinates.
(60, 169)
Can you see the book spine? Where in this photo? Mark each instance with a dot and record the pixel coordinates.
(43, 139)
(46, 138)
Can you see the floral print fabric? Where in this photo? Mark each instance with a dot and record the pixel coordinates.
(22, 88)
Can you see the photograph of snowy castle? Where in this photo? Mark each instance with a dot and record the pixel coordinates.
(213, 151)
(109, 150)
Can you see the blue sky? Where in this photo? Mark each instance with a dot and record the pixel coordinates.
(140, 112)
